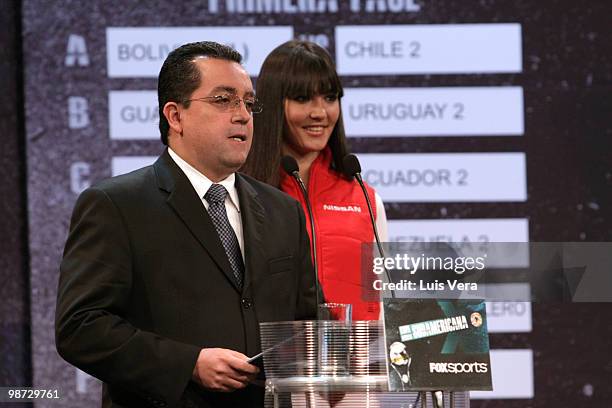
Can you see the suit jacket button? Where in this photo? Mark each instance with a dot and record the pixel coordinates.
(246, 303)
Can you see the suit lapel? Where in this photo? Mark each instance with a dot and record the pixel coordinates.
(252, 214)
(188, 206)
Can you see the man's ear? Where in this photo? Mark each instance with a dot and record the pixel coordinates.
(173, 116)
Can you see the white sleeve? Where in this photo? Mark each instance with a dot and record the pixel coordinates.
(381, 219)
(383, 233)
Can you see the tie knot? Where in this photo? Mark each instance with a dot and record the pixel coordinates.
(216, 194)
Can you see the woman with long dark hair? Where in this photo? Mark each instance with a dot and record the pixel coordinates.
(302, 117)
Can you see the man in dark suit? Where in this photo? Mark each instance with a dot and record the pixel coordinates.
(168, 270)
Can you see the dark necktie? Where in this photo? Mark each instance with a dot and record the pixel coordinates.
(216, 209)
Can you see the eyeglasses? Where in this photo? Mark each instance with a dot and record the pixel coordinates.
(231, 102)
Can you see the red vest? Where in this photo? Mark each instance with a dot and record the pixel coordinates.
(342, 223)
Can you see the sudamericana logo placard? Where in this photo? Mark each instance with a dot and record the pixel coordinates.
(437, 344)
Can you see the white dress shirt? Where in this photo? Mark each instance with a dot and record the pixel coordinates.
(201, 184)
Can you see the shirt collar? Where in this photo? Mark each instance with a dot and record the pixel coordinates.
(201, 183)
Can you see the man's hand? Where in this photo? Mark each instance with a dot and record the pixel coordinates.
(223, 370)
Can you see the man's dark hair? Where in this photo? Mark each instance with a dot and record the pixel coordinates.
(179, 76)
